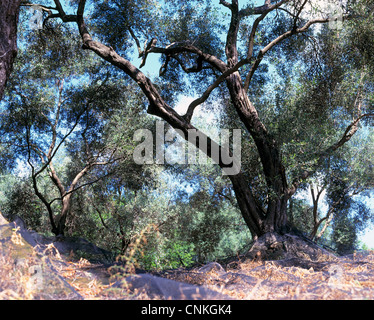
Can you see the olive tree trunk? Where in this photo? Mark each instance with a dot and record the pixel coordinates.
(9, 11)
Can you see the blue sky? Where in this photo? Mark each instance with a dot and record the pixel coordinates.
(368, 236)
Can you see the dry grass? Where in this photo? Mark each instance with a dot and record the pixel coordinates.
(347, 278)
(18, 278)
(19, 282)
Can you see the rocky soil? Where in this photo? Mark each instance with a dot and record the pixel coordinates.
(347, 278)
(33, 267)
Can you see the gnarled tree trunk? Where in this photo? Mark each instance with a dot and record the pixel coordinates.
(61, 219)
(267, 223)
(258, 221)
(9, 11)
(275, 217)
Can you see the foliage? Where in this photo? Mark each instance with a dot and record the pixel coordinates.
(305, 93)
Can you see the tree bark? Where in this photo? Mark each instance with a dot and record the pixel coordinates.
(61, 219)
(251, 213)
(9, 12)
(275, 219)
(66, 200)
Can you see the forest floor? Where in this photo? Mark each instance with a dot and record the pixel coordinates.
(350, 277)
(347, 278)
(29, 274)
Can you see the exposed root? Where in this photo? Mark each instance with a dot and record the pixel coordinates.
(273, 246)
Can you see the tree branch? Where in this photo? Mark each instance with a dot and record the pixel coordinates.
(348, 134)
(232, 35)
(34, 181)
(276, 41)
(101, 218)
(44, 8)
(296, 17)
(61, 14)
(157, 105)
(59, 145)
(55, 179)
(253, 34)
(79, 187)
(186, 46)
(225, 4)
(54, 126)
(140, 51)
(149, 47)
(264, 9)
(330, 214)
(209, 90)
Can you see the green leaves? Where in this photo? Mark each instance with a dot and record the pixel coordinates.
(112, 19)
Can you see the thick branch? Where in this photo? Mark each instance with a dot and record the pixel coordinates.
(55, 179)
(315, 202)
(42, 7)
(61, 14)
(232, 35)
(197, 68)
(149, 47)
(264, 9)
(186, 46)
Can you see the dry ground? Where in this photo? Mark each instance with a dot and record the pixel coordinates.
(348, 278)
(25, 274)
